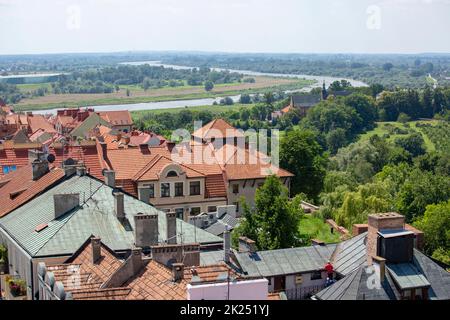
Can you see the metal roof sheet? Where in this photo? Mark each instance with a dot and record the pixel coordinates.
(96, 216)
(407, 276)
(285, 261)
(390, 233)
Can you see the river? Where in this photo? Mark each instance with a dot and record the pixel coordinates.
(207, 101)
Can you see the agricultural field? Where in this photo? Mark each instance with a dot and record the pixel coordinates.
(215, 109)
(138, 95)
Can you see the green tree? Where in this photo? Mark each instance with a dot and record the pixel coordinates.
(388, 66)
(301, 154)
(273, 223)
(209, 85)
(413, 143)
(435, 224)
(420, 189)
(245, 99)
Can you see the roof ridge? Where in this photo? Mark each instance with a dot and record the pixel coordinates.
(147, 167)
(73, 211)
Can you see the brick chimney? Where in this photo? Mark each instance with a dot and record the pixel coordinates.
(39, 169)
(359, 229)
(377, 222)
(64, 203)
(171, 228)
(177, 272)
(146, 229)
(96, 249)
(110, 178)
(119, 205)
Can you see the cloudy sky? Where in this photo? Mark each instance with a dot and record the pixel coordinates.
(360, 26)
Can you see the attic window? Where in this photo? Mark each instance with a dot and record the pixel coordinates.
(172, 174)
(15, 194)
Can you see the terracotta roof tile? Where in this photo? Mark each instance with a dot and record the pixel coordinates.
(218, 129)
(20, 181)
(37, 122)
(120, 118)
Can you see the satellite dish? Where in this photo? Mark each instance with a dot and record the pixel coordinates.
(51, 158)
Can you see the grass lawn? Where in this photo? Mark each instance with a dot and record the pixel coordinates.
(385, 128)
(210, 108)
(34, 86)
(317, 229)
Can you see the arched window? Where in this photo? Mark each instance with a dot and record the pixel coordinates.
(172, 174)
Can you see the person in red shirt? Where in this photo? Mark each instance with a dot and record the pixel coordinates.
(329, 269)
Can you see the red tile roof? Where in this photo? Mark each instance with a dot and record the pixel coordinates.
(154, 282)
(117, 118)
(218, 129)
(286, 109)
(15, 154)
(153, 169)
(86, 153)
(37, 122)
(18, 187)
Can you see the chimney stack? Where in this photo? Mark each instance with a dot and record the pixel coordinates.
(247, 245)
(119, 206)
(379, 265)
(40, 168)
(136, 260)
(377, 222)
(226, 245)
(177, 272)
(64, 203)
(81, 170)
(96, 249)
(146, 229)
(171, 228)
(110, 178)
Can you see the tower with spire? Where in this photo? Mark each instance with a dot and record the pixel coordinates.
(324, 91)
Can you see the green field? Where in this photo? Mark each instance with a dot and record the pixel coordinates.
(316, 228)
(138, 95)
(34, 86)
(210, 108)
(394, 130)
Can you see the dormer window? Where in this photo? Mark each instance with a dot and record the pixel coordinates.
(171, 174)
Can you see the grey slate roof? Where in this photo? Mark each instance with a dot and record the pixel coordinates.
(306, 100)
(422, 271)
(437, 276)
(95, 216)
(208, 258)
(218, 227)
(285, 261)
(358, 286)
(350, 254)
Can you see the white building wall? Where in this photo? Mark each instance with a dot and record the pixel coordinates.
(240, 290)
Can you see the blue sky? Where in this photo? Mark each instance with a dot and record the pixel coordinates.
(359, 26)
